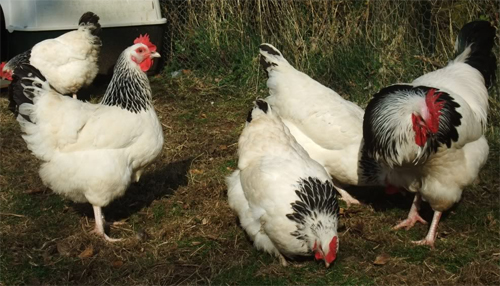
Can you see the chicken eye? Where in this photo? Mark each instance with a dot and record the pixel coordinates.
(140, 50)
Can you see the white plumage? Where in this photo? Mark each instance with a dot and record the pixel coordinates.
(69, 61)
(326, 125)
(286, 201)
(92, 152)
(428, 135)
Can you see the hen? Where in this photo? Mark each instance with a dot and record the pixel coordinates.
(92, 152)
(327, 126)
(68, 62)
(428, 135)
(285, 201)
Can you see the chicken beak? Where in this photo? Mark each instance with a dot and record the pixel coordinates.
(327, 264)
(155, 55)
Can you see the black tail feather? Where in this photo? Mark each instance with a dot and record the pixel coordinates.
(480, 35)
(90, 18)
(17, 94)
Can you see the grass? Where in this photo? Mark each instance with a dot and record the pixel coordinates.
(180, 230)
(178, 227)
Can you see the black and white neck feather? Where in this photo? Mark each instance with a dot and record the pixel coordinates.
(316, 213)
(387, 127)
(129, 87)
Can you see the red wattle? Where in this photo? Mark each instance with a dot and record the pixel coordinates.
(146, 64)
(332, 254)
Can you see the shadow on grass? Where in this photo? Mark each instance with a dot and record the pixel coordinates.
(163, 181)
(381, 202)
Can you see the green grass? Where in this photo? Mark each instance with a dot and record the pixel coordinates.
(188, 233)
(192, 235)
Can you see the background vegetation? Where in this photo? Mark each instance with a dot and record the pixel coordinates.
(178, 226)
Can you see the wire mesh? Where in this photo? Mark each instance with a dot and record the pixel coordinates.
(355, 46)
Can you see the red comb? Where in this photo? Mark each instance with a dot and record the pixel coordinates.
(5, 74)
(145, 40)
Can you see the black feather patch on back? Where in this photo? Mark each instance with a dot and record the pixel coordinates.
(270, 50)
(90, 18)
(265, 64)
(315, 197)
(249, 116)
(264, 61)
(481, 36)
(262, 105)
(12, 64)
(369, 170)
(385, 144)
(17, 94)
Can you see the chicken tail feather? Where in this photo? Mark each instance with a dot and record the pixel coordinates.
(90, 20)
(474, 47)
(27, 83)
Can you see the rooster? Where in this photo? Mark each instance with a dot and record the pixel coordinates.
(286, 201)
(92, 152)
(68, 62)
(428, 135)
(327, 126)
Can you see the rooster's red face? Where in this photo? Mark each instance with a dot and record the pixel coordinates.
(427, 124)
(331, 254)
(5, 74)
(143, 56)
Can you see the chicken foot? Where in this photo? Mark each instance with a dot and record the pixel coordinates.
(99, 225)
(413, 215)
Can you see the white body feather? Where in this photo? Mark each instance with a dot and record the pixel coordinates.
(69, 61)
(326, 125)
(441, 177)
(90, 152)
(271, 164)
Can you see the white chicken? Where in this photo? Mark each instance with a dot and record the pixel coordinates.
(428, 135)
(92, 152)
(327, 126)
(68, 62)
(285, 201)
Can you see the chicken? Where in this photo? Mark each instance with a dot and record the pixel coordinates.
(327, 126)
(285, 201)
(428, 135)
(92, 152)
(68, 62)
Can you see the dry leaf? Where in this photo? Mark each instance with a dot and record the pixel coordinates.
(341, 211)
(204, 221)
(194, 243)
(186, 71)
(117, 264)
(382, 259)
(223, 147)
(88, 252)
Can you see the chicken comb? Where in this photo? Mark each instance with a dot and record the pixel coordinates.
(434, 106)
(145, 40)
(5, 74)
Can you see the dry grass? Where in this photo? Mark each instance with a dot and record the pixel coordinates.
(178, 226)
(179, 229)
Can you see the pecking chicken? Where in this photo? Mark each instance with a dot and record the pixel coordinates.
(428, 135)
(327, 126)
(92, 152)
(285, 201)
(68, 62)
